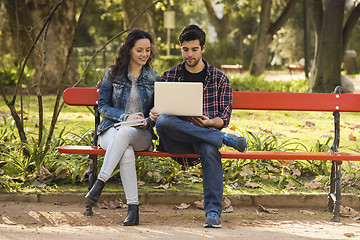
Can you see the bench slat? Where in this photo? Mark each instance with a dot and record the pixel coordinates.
(88, 150)
(328, 102)
(297, 101)
(81, 96)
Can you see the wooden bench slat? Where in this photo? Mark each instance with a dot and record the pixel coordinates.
(328, 102)
(296, 101)
(81, 96)
(88, 150)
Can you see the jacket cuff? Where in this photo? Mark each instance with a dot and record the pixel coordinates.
(123, 117)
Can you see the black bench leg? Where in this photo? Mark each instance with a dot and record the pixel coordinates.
(92, 179)
(335, 191)
(336, 212)
(332, 188)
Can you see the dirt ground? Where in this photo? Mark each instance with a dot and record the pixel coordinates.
(66, 221)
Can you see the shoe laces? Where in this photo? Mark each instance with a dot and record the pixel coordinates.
(213, 215)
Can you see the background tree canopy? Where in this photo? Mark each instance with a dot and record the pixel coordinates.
(259, 34)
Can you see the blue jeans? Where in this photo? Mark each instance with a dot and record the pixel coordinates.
(179, 136)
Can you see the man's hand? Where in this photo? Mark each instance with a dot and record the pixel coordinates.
(153, 114)
(205, 121)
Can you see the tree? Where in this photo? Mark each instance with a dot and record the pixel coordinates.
(25, 18)
(332, 37)
(267, 29)
(222, 25)
(132, 8)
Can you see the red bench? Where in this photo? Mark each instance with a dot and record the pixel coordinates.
(326, 102)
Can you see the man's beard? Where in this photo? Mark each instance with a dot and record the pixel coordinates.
(193, 64)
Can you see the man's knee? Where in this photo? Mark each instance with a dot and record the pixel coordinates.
(162, 122)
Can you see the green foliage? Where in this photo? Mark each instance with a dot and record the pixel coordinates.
(166, 62)
(260, 84)
(223, 52)
(9, 76)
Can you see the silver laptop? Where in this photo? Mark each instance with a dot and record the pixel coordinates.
(179, 98)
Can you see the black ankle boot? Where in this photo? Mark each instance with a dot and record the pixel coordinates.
(132, 218)
(94, 194)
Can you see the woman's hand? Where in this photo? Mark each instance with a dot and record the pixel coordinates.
(153, 114)
(137, 116)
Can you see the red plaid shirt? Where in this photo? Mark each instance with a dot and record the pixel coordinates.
(217, 96)
(217, 91)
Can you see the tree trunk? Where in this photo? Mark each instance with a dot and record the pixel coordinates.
(266, 32)
(31, 13)
(329, 57)
(222, 25)
(258, 60)
(132, 9)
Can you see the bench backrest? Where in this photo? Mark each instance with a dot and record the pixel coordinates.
(329, 102)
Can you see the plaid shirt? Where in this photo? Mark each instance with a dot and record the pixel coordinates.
(217, 97)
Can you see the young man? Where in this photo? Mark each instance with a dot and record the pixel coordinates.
(201, 135)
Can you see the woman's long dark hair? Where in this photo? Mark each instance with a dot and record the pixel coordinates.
(122, 56)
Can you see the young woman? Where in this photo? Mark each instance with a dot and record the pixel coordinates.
(126, 94)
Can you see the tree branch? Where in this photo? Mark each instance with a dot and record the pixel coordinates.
(349, 25)
(56, 110)
(32, 48)
(285, 15)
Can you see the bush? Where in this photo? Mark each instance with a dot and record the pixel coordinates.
(260, 84)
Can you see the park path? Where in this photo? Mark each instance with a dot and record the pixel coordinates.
(44, 221)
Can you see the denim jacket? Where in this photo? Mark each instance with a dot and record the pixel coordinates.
(114, 94)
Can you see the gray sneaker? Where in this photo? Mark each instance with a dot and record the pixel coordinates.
(212, 220)
(235, 141)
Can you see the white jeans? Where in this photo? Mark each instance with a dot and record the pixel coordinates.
(120, 144)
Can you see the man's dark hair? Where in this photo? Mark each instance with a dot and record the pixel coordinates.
(192, 32)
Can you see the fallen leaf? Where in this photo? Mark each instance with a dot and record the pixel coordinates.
(355, 126)
(252, 185)
(199, 204)
(140, 183)
(313, 185)
(181, 206)
(226, 202)
(268, 210)
(229, 209)
(349, 235)
(232, 128)
(265, 176)
(294, 131)
(307, 212)
(352, 137)
(268, 118)
(272, 169)
(289, 186)
(164, 186)
(348, 211)
(296, 172)
(309, 124)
